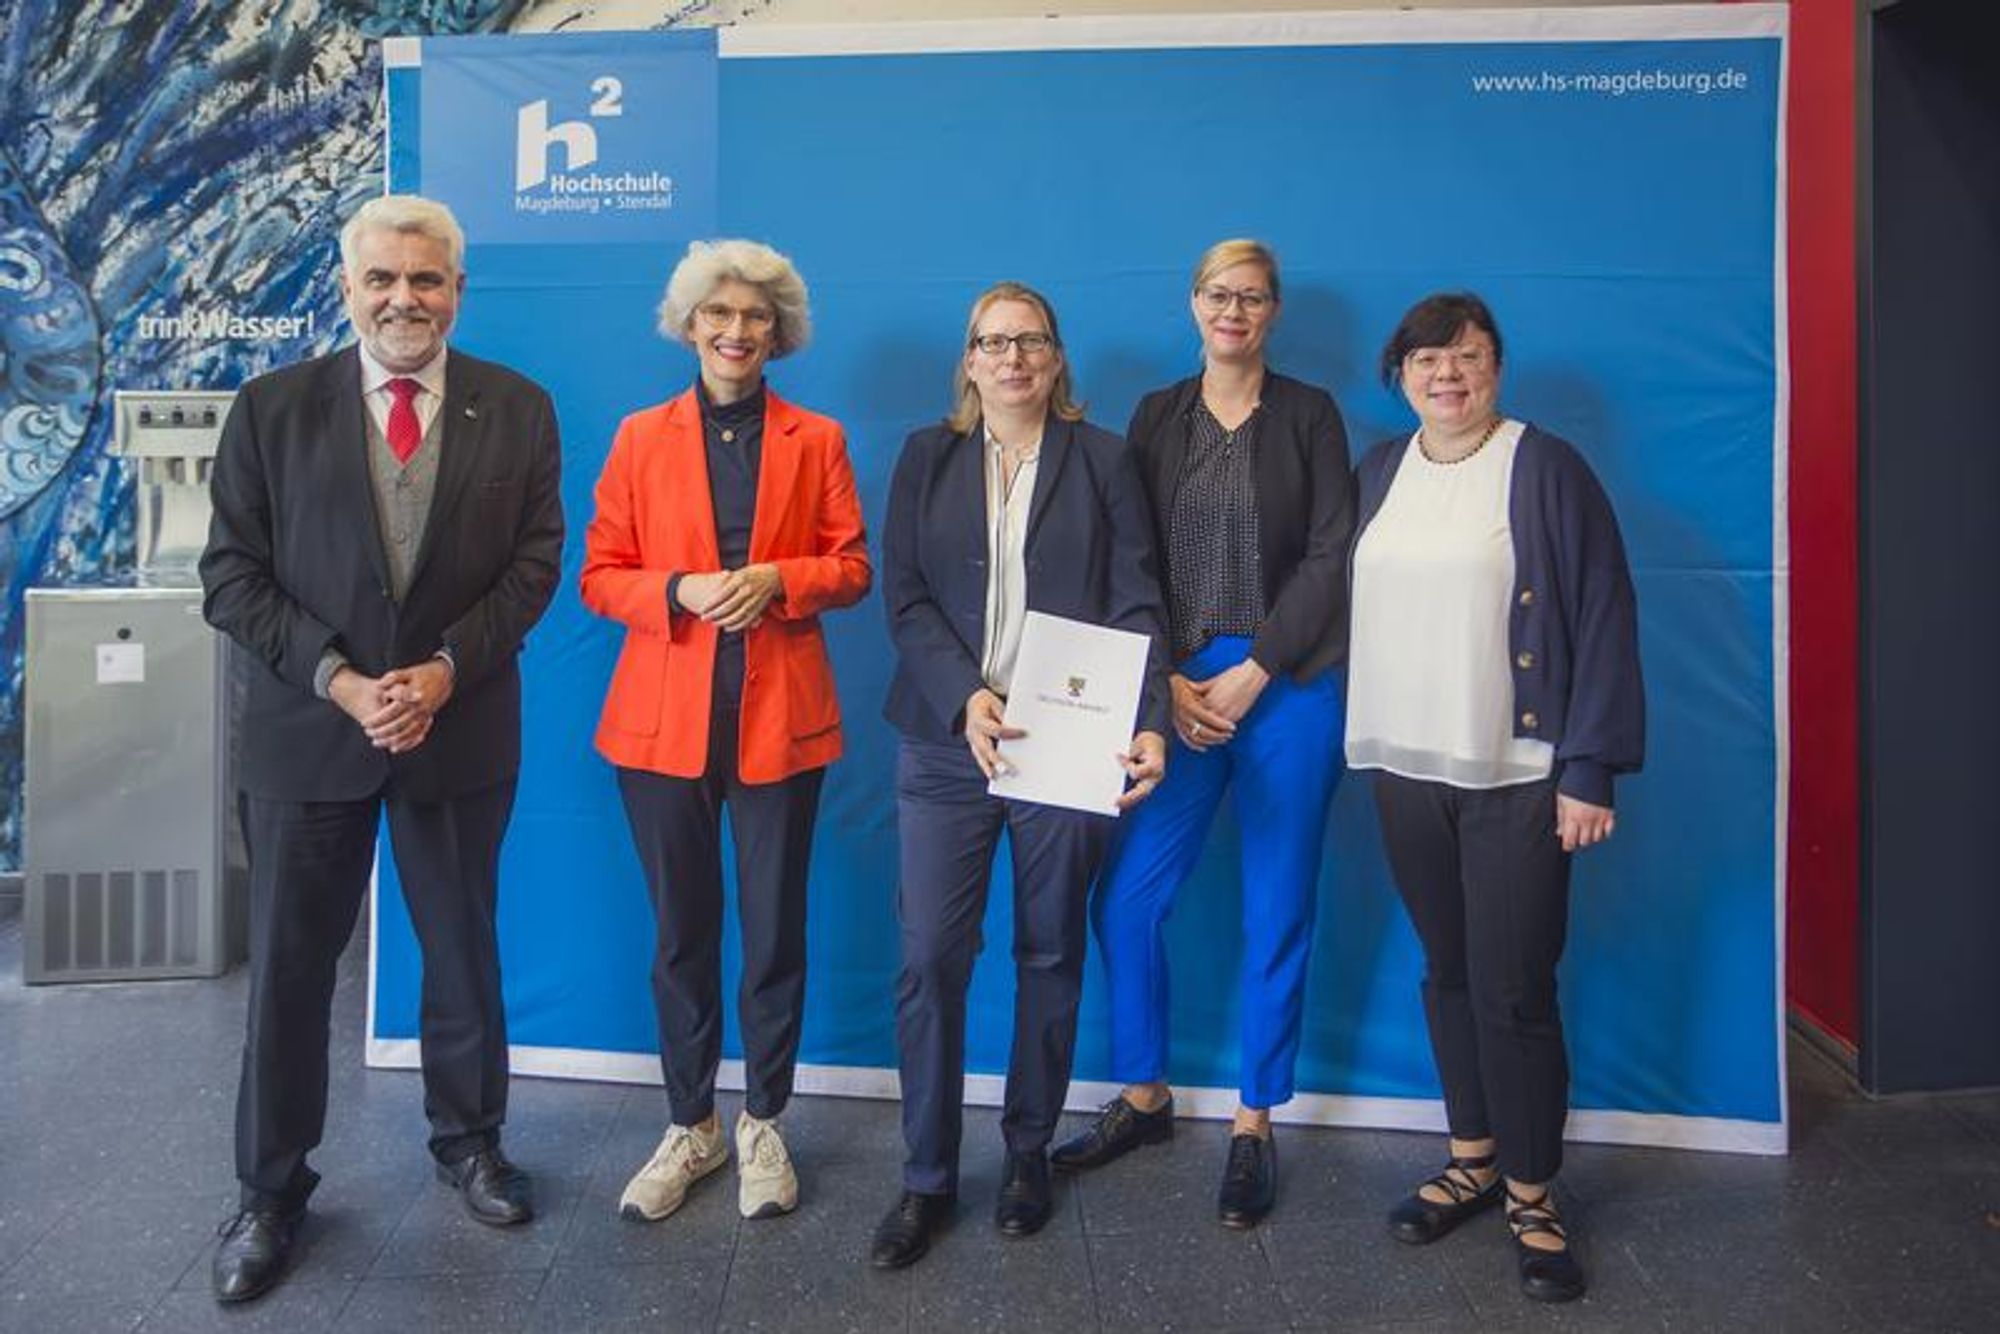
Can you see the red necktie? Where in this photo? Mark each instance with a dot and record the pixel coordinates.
(404, 433)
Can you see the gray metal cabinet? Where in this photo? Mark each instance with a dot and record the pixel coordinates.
(134, 862)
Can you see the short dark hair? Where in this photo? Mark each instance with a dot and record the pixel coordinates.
(1435, 322)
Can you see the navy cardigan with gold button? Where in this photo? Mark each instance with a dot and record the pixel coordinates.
(1573, 633)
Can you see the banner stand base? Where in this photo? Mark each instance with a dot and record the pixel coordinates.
(1586, 1126)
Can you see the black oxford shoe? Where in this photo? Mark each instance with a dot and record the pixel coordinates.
(256, 1246)
(904, 1235)
(1118, 1129)
(1025, 1201)
(1249, 1181)
(494, 1191)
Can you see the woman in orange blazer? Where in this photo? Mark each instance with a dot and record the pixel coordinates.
(726, 522)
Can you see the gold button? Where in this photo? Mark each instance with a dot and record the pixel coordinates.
(1524, 660)
(1527, 597)
(1531, 720)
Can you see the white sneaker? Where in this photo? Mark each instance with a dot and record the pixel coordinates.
(766, 1185)
(685, 1156)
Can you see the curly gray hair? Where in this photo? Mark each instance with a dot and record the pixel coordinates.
(709, 264)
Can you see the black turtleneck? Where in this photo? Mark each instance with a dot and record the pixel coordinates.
(734, 435)
(732, 475)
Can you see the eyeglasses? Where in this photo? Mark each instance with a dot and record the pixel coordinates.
(720, 315)
(1431, 360)
(1216, 298)
(1032, 343)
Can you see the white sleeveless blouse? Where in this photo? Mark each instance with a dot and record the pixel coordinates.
(1430, 688)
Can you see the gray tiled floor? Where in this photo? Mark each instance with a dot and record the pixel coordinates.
(114, 1169)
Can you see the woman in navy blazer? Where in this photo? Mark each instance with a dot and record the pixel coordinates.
(1013, 504)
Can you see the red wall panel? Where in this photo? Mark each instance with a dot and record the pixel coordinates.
(1821, 928)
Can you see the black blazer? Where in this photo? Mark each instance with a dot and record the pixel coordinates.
(1305, 513)
(1089, 556)
(294, 566)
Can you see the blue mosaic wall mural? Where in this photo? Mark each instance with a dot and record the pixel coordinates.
(164, 165)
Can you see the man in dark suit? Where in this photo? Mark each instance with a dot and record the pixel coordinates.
(387, 526)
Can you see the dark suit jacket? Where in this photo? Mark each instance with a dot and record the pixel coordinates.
(295, 566)
(1089, 556)
(1305, 513)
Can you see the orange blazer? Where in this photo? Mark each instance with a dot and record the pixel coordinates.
(655, 519)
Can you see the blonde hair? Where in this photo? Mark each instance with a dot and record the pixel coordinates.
(1228, 254)
(709, 264)
(965, 412)
(410, 214)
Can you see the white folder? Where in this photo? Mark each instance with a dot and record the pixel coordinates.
(1075, 693)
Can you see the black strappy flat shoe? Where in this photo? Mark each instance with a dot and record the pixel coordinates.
(1419, 1221)
(1546, 1276)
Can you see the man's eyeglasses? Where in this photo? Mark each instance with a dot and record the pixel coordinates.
(1032, 343)
(718, 315)
(1216, 298)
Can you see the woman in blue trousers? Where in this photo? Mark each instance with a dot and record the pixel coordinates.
(1247, 476)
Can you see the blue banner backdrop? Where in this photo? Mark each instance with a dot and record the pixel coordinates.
(1610, 186)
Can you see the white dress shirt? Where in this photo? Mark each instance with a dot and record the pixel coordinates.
(1007, 506)
(429, 400)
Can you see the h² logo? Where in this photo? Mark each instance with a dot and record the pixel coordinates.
(534, 137)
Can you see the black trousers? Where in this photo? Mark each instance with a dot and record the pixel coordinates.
(949, 827)
(1486, 883)
(677, 828)
(309, 865)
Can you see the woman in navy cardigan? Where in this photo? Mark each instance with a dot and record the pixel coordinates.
(1014, 504)
(1494, 688)
(1252, 502)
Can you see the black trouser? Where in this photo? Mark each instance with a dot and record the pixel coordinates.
(677, 827)
(949, 827)
(1486, 883)
(309, 864)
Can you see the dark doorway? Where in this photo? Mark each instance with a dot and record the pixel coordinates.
(1929, 94)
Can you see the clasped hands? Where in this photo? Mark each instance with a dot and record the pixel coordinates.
(731, 599)
(395, 709)
(1206, 712)
(1144, 761)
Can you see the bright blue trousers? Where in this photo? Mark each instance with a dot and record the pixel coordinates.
(1280, 770)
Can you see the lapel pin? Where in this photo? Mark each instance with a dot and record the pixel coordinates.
(470, 414)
